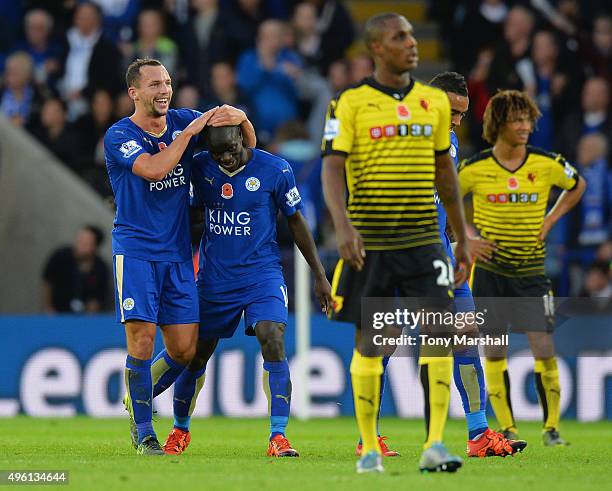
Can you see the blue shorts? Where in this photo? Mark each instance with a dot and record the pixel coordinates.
(220, 313)
(155, 291)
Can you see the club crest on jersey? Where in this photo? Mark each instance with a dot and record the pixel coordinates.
(513, 183)
(453, 151)
(252, 184)
(532, 177)
(424, 104)
(175, 134)
(403, 112)
(227, 191)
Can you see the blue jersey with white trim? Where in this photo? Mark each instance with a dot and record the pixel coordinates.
(239, 247)
(454, 152)
(152, 218)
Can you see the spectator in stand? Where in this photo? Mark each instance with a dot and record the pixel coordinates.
(124, 106)
(597, 282)
(246, 16)
(479, 26)
(92, 61)
(361, 66)
(598, 50)
(307, 37)
(509, 68)
(91, 129)
(554, 89)
(224, 89)
(336, 29)
(204, 42)
(338, 76)
(19, 100)
(55, 133)
(592, 117)
(119, 16)
(75, 279)
(188, 96)
(267, 75)
(595, 206)
(152, 42)
(45, 52)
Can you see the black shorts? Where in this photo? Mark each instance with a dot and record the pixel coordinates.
(521, 303)
(424, 272)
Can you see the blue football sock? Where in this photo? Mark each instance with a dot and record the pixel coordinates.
(277, 386)
(140, 388)
(469, 380)
(164, 371)
(186, 390)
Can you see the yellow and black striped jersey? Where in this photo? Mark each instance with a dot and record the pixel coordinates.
(389, 138)
(509, 206)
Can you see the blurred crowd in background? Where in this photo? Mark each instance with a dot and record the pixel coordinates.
(63, 65)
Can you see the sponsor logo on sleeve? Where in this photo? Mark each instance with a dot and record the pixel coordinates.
(129, 148)
(332, 129)
(293, 196)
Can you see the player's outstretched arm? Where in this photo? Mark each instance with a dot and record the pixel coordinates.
(232, 116)
(447, 185)
(348, 239)
(565, 202)
(303, 239)
(155, 167)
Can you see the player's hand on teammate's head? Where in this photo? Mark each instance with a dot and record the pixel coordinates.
(227, 116)
(482, 249)
(198, 124)
(463, 262)
(322, 290)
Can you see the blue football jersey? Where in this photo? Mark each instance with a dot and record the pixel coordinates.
(152, 218)
(454, 152)
(239, 247)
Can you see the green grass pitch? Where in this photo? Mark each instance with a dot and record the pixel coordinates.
(228, 454)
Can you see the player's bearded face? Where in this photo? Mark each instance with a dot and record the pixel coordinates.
(155, 90)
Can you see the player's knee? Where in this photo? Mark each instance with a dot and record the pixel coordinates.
(141, 345)
(182, 353)
(271, 338)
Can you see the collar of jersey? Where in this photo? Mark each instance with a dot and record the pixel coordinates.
(158, 135)
(231, 174)
(391, 91)
(527, 152)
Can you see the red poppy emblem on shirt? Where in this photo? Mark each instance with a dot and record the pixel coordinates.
(227, 191)
(161, 145)
(403, 112)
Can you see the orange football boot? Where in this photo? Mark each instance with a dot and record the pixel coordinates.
(279, 446)
(494, 444)
(177, 441)
(386, 451)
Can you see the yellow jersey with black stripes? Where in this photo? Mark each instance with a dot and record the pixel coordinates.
(389, 138)
(510, 206)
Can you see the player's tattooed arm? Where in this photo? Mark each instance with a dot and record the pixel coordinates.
(447, 185)
(232, 116)
(156, 167)
(303, 239)
(349, 241)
